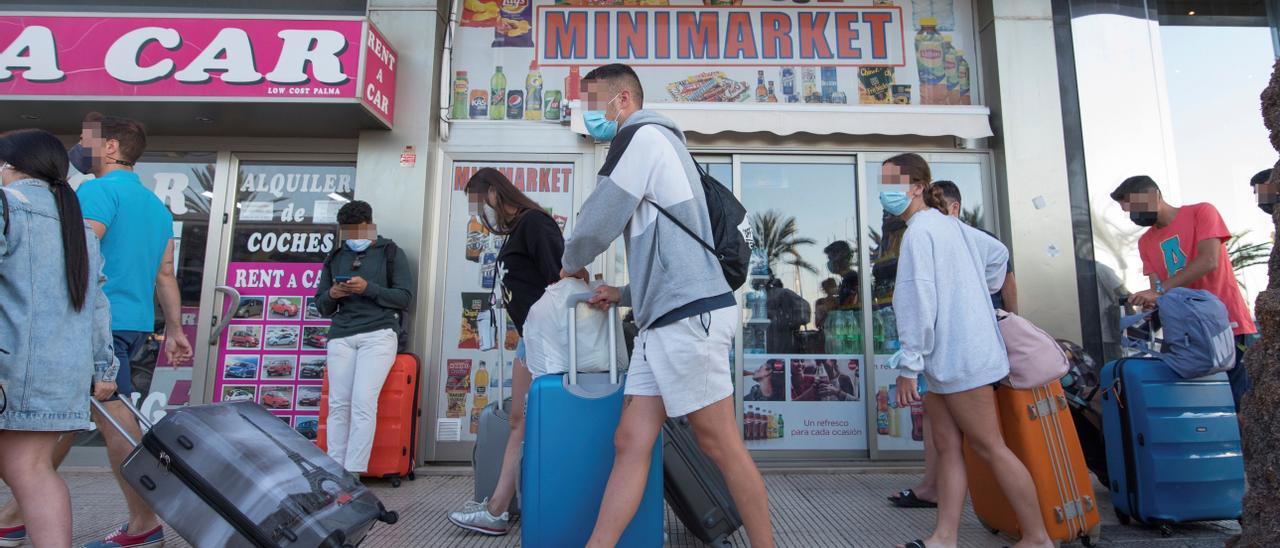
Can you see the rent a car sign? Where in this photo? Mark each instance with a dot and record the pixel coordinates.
(729, 35)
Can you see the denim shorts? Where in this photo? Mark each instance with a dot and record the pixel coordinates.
(125, 343)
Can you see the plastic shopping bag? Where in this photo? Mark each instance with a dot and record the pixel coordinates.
(546, 333)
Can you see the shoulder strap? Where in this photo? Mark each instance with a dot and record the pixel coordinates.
(618, 146)
(391, 251)
(686, 229)
(4, 210)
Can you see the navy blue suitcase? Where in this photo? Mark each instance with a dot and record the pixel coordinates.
(1173, 444)
(568, 456)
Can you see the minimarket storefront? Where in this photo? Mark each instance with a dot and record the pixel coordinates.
(793, 106)
(261, 126)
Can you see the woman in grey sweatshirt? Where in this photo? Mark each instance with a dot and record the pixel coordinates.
(946, 272)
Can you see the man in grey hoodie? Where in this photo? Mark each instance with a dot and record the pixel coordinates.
(686, 312)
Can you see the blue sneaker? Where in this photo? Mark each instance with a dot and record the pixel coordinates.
(122, 539)
(13, 536)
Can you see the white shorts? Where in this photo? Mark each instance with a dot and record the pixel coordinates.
(686, 362)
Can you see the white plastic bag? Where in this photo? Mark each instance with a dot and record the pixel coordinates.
(546, 333)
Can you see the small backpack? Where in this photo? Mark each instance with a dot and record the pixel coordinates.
(1035, 357)
(1198, 337)
(729, 227)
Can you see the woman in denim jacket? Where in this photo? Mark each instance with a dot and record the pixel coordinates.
(55, 330)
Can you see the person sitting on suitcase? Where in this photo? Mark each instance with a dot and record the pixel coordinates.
(55, 332)
(946, 273)
(529, 261)
(685, 309)
(1187, 247)
(365, 302)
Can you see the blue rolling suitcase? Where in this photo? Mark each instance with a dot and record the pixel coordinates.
(568, 455)
(1173, 444)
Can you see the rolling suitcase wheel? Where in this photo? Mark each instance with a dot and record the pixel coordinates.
(395, 482)
(1123, 517)
(1165, 530)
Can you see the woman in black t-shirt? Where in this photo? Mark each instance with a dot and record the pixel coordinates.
(528, 262)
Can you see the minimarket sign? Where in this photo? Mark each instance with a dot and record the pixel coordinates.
(205, 58)
(731, 36)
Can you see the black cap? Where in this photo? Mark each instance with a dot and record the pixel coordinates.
(1260, 178)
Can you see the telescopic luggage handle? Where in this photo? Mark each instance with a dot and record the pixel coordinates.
(102, 410)
(574, 301)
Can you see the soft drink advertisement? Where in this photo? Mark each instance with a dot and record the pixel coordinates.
(899, 428)
(892, 52)
(803, 402)
(273, 352)
(471, 376)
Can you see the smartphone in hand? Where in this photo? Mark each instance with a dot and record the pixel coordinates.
(342, 279)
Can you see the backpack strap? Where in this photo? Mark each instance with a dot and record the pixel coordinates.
(4, 209)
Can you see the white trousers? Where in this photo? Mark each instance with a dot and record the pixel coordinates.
(358, 367)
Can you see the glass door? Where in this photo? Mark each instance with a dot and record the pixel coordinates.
(266, 342)
(802, 381)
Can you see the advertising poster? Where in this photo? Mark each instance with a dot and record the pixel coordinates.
(803, 402)
(898, 428)
(523, 59)
(273, 352)
(470, 374)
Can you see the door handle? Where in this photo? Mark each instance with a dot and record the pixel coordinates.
(220, 324)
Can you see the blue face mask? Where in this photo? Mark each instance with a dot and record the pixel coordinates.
(359, 246)
(81, 159)
(895, 203)
(598, 125)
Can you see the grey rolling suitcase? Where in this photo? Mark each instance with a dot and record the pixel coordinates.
(233, 474)
(694, 488)
(494, 429)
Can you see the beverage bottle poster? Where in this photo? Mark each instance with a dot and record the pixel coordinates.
(804, 402)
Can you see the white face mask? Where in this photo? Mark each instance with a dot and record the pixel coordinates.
(490, 215)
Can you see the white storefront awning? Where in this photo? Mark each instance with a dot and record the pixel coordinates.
(966, 122)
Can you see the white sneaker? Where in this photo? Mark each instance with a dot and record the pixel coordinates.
(475, 516)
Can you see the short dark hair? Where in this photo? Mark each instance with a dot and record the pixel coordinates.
(948, 190)
(354, 213)
(131, 134)
(838, 246)
(1137, 184)
(619, 75)
(1260, 178)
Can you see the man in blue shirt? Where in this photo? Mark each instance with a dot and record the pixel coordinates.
(136, 234)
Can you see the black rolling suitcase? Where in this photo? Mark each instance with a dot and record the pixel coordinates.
(234, 475)
(694, 487)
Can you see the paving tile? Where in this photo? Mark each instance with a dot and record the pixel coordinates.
(808, 511)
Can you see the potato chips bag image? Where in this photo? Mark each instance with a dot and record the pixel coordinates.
(480, 13)
(515, 24)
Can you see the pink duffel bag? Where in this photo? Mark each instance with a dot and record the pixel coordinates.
(1035, 358)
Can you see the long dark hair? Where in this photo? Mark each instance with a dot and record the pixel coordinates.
(39, 154)
(917, 169)
(508, 197)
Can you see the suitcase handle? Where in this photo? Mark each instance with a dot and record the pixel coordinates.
(102, 410)
(572, 304)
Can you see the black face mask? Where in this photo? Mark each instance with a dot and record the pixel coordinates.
(1144, 218)
(1268, 208)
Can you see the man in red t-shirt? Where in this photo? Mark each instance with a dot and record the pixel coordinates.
(1186, 247)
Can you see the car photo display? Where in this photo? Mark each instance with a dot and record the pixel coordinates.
(274, 350)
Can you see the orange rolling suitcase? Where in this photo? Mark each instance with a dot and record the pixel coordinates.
(1037, 426)
(396, 436)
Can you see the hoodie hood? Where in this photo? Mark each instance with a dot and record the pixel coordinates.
(651, 117)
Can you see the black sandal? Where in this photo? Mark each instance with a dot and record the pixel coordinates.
(917, 543)
(908, 499)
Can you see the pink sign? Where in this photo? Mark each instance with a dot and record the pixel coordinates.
(274, 351)
(379, 93)
(185, 57)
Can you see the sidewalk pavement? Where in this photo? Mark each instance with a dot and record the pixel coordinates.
(811, 509)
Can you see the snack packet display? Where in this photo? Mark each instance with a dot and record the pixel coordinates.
(709, 87)
(479, 13)
(515, 25)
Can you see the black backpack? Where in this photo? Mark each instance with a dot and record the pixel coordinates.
(731, 248)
